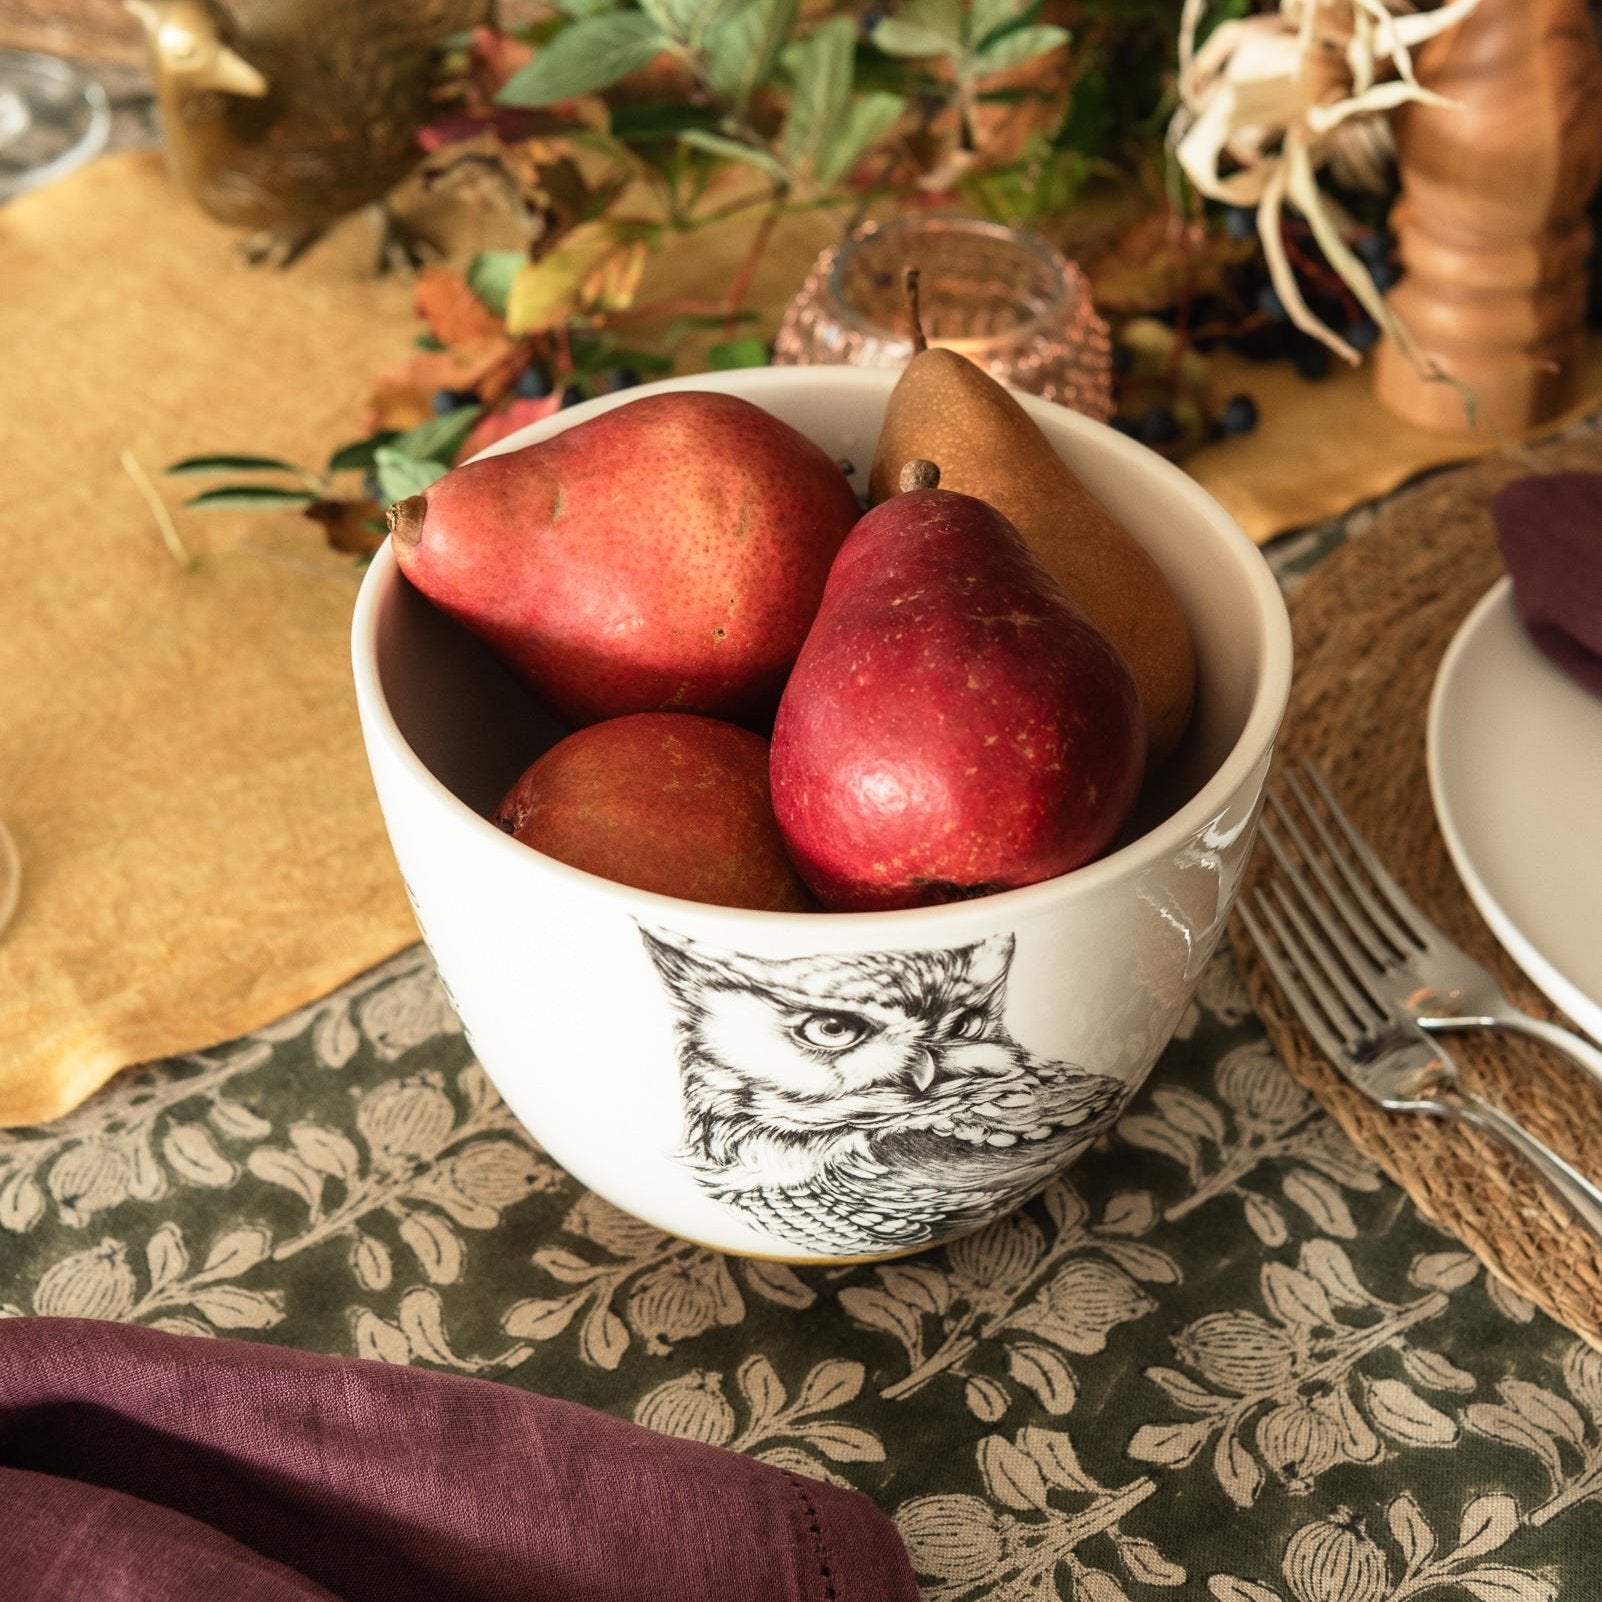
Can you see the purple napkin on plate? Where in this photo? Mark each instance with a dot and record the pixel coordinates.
(139, 1465)
(1550, 530)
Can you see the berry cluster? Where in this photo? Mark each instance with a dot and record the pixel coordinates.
(1164, 392)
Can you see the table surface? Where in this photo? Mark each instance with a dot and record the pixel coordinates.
(1219, 1350)
(1223, 1357)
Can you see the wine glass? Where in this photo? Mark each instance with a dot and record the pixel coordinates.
(53, 117)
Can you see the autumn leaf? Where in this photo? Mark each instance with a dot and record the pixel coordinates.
(592, 269)
(354, 527)
(402, 396)
(615, 282)
(493, 56)
(545, 293)
(453, 313)
(1154, 261)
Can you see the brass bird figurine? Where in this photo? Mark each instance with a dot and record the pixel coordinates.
(282, 116)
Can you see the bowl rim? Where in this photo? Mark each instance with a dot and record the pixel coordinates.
(1156, 845)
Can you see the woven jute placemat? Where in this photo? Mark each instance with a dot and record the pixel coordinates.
(1371, 624)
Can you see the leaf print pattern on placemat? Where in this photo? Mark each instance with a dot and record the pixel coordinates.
(1219, 1358)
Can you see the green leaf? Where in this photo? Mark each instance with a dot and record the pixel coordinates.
(737, 150)
(243, 497)
(988, 17)
(601, 353)
(585, 56)
(1019, 45)
(439, 439)
(1012, 97)
(232, 464)
(693, 20)
(1091, 115)
(922, 28)
(585, 8)
(747, 352)
(661, 13)
(400, 475)
(667, 120)
(490, 274)
(820, 69)
(358, 455)
(680, 326)
(869, 119)
(742, 51)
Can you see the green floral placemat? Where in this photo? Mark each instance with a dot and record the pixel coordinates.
(1220, 1359)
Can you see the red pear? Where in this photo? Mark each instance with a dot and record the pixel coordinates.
(663, 801)
(668, 554)
(954, 725)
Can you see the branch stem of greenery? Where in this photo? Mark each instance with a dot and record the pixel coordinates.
(168, 530)
(679, 306)
(741, 284)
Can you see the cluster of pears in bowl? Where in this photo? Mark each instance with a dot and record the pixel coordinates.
(812, 881)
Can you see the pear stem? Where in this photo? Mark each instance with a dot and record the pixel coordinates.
(919, 474)
(406, 521)
(909, 282)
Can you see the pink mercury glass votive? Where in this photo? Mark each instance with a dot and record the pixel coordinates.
(1009, 302)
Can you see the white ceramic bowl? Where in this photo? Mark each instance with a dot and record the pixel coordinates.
(822, 1087)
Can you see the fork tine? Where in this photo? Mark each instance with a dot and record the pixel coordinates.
(1301, 1000)
(1323, 933)
(1415, 928)
(1321, 967)
(1378, 935)
(1348, 925)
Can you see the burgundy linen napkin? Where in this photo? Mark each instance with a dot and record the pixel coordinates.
(136, 1464)
(1550, 529)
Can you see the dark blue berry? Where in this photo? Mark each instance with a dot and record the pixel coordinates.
(1312, 359)
(1123, 360)
(533, 383)
(1386, 274)
(1264, 343)
(1240, 222)
(451, 400)
(1363, 334)
(1124, 425)
(623, 378)
(1373, 247)
(1239, 415)
(1269, 303)
(1157, 426)
(572, 395)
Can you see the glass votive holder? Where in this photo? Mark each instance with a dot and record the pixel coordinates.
(1007, 301)
(52, 118)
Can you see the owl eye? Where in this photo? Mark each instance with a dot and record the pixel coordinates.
(833, 1031)
(969, 1024)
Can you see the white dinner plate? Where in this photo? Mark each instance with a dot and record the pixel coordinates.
(1515, 767)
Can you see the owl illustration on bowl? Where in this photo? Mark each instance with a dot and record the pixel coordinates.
(869, 1103)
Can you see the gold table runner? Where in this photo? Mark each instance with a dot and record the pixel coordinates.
(179, 756)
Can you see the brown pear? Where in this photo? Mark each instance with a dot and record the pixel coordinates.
(946, 410)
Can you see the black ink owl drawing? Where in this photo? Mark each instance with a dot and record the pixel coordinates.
(868, 1103)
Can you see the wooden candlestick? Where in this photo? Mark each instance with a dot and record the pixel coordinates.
(1491, 224)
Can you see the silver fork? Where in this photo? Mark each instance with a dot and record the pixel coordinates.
(1385, 1055)
(1404, 957)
